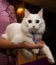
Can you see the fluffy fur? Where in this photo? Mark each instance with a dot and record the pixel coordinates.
(32, 23)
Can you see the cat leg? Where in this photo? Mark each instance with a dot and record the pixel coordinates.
(36, 51)
(48, 54)
(27, 54)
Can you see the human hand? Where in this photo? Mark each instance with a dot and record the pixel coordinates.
(40, 43)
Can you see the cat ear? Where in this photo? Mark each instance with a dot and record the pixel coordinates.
(26, 12)
(40, 13)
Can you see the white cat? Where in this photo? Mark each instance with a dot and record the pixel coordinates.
(32, 24)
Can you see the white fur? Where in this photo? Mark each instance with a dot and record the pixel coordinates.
(18, 33)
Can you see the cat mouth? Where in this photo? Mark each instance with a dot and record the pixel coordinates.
(33, 30)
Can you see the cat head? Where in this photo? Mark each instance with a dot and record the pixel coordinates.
(33, 22)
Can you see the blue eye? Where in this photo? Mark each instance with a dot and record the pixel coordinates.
(29, 21)
(37, 21)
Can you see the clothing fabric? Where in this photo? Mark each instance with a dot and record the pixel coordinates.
(7, 16)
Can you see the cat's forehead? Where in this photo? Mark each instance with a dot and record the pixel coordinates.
(33, 16)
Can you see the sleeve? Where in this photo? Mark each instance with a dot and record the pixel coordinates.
(1, 7)
(12, 14)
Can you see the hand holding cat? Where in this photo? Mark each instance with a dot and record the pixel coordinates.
(40, 43)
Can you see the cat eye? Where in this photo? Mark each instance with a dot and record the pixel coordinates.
(29, 21)
(37, 21)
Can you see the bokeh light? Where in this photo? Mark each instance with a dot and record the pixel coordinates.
(20, 10)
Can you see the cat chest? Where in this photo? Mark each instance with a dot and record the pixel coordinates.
(36, 37)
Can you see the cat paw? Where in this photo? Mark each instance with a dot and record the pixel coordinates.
(51, 61)
(35, 51)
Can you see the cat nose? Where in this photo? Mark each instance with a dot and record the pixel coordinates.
(33, 26)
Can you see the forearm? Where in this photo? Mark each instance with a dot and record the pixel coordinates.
(7, 44)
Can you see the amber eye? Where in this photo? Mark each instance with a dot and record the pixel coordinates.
(29, 21)
(37, 21)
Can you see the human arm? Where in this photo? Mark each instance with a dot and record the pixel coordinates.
(7, 44)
